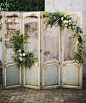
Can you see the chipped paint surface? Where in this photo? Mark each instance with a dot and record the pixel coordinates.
(0, 38)
(31, 29)
(11, 24)
(51, 43)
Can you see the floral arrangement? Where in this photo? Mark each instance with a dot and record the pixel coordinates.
(20, 56)
(66, 21)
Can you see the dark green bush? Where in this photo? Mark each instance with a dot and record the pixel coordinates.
(22, 5)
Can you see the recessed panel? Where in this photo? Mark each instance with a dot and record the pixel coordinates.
(31, 76)
(51, 75)
(71, 75)
(12, 75)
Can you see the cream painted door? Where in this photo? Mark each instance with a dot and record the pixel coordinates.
(11, 71)
(31, 27)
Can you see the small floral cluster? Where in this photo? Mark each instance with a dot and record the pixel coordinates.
(66, 21)
(20, 56)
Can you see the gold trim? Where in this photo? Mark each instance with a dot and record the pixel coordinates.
(75, 14)
(12, 15)
(64, 65)
(19, 74)
(79, 67)
(53, 63)
(50, 64)
(32, 15)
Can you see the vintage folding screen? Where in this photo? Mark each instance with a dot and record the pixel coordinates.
(53, 69)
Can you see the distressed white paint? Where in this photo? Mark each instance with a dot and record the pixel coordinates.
(51, 43)
(52, 72)
(1, 51)
(11, 24)
(31, 27)
(70, 6)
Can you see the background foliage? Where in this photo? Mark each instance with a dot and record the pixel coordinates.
(22, 5)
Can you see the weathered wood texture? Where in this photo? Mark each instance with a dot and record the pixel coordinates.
(0, 37)
(51, 43)
(52, 55)
(11, 24)
(31, 29)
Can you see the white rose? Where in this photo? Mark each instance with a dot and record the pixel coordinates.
(21, 59)
(61, 18)
(65, 21)
(73, 26)
(69, 20)
(64, 15)
(19, 50)
(20, 54)
(23, 54)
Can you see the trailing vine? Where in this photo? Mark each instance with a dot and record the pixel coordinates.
(18, 41)
(66, 21)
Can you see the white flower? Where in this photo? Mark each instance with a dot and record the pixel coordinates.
(61, 18)
(77, 41)
(65, 21)
(64, 15)
(19, 50)
(73, 26)
(20, 54)
(69, 20)
(21, 59)
(69, 27)
(23, 54)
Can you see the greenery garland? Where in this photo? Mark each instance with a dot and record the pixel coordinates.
(20, 56)
(66, 21)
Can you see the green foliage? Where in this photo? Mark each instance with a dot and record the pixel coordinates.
(22, 5)
(20, 56)
(60, 19)
(66, 21)
(29, 59)
(78, 52)
(18, 41)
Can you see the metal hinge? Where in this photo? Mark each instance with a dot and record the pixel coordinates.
(40, 17)
(61, 50)
(40, 50)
